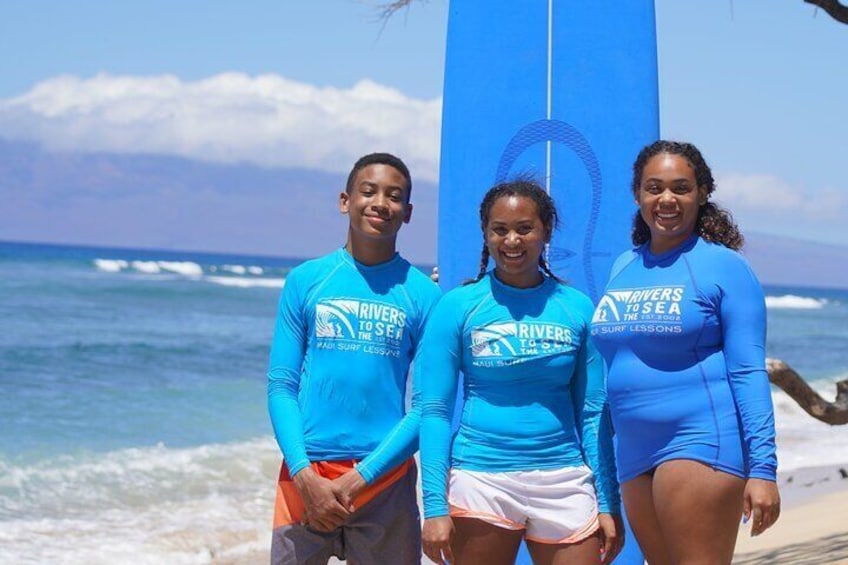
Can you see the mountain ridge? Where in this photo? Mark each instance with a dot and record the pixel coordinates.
(178, 204)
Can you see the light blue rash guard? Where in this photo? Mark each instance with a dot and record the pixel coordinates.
(344, 339)
(533, 387)
(683, 334)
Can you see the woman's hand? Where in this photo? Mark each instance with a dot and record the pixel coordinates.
(436, 538)
(762, 504)
(612, 536)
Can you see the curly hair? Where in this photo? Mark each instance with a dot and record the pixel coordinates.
(714, 223)
(545, 208)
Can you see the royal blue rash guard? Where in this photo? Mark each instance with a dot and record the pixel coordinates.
(344, 339)
(533, 387)
(683, 334)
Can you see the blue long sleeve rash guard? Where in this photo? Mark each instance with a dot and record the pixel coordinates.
(533, 387)
(683, 335)
(344, 339)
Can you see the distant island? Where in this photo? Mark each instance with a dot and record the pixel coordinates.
(783, 261)
(178, 204)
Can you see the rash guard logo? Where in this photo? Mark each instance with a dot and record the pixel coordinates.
(498, 345)
(492, 341)
(332, 318)
(365, 326)
(607, 310)
(641, 310)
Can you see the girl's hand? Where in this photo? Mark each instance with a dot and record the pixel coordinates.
(436, 538)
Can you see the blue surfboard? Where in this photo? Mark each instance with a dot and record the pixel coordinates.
(565, 91)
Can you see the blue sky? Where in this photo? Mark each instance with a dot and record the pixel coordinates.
(759, 85)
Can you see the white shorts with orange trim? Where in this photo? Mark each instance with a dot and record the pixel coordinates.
(553, 505)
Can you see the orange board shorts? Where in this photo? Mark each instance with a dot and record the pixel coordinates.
(288, 506)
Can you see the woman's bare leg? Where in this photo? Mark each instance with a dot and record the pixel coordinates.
(585, 552)
(638, 496)
(475, 541)
(698, 509)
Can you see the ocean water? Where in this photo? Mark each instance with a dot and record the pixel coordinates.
(132, 401)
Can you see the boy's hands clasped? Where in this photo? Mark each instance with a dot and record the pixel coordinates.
(327, 503)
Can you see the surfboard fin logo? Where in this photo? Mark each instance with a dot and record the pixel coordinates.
(542, 131)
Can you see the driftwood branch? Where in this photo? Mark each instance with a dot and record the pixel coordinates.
(785, 377)
(835, 9)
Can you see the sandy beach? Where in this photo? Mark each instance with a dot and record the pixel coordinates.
(813, 525)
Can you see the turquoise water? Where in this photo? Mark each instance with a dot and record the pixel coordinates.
(808, 328)
(95, 361)
(132, 400)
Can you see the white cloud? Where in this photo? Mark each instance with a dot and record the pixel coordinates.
(770, 195)
(266, 120)
(741, 190)
(768, 204)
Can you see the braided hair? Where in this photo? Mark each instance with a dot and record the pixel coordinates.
(545, 208)
(714, 223)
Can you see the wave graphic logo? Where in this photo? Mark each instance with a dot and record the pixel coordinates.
(493, 341)
(333, 318)
(608, 311)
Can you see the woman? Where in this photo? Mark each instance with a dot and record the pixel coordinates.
(533, 447)
(682, 328)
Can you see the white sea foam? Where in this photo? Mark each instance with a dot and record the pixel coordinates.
(242, 270)
(186, 268)
(150, 267)
(192, 270)
(796, 302)
(157, 505)
(111, 265)
(803, 441)
(247, 282)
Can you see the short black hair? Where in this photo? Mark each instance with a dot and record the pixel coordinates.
(380, 159)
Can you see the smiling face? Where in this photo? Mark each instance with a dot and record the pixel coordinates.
(669, 199)
(516, 237)
(377, 204)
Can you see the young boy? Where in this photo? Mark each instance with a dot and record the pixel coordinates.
(348, 327)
